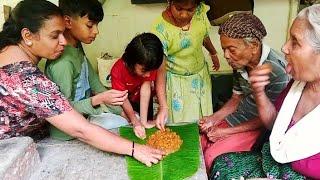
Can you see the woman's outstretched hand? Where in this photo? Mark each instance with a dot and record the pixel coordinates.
(147, 155)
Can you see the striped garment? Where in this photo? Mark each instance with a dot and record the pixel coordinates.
(278, 81)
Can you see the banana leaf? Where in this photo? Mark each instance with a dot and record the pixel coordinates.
(179, 165)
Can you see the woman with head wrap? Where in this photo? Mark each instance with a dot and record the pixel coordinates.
(294, 148)
(236, 126)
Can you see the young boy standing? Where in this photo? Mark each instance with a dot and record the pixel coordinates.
(74, 74)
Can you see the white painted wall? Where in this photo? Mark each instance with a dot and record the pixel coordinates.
(276, 15)
(121, 23)
(124, 20)
(12, 3)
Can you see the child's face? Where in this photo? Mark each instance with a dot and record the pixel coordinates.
(183, 12)
(83, 29)
(139, 71)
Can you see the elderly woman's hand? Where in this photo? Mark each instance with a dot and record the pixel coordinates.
(147, 155)
(207, 122)
(259, 78)
(215, 134)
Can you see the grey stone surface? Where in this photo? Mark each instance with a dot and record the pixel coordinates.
(76, 160)
(18, 157)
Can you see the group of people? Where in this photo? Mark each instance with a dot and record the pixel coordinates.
(270, 93)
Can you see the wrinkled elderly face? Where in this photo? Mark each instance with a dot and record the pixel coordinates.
(236, 51)
(303, 61)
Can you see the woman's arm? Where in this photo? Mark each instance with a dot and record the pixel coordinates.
(229, 107)
(250, 125)
(217, 133)
(259, 78)
(76, 125)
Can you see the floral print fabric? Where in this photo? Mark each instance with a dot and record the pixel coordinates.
(27, 97)
(252, 165)
(188, 84)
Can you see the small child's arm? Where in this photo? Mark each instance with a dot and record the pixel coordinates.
(138, 128)
(161, 95)
(213, 53)
(118, 83)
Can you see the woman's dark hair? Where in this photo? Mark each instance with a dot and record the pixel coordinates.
(80, 8)
(146, 50)
(197, 2)
(30, 14)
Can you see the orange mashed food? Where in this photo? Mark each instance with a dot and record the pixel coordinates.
(166, 140)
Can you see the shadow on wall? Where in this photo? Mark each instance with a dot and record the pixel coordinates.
(221, 10)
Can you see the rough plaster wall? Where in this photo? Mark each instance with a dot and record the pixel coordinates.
(124, 20)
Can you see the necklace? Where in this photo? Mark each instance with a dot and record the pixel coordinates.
(175, 22)
(33, 59)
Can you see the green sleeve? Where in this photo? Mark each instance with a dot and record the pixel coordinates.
(98, 87)
(62, 74)
(95, 83)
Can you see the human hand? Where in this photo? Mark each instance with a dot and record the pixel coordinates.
(149, 124)
(259, 78)
(147, 155)
(113, 97)
(215, 134)
(215, 62)
(207, 122)
(161, 119)
(139, 129)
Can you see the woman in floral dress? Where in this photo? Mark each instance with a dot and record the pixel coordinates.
(35, 30)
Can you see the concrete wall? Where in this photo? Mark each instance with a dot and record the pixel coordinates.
(124, 20)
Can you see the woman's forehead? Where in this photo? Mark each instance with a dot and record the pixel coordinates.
(55, 23)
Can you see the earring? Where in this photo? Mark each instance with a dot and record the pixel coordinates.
(29, 43)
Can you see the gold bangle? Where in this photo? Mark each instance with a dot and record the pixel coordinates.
(132, 150)
(214, 54)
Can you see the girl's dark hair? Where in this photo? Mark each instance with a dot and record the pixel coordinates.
(80, 8)
(146, 50)
(197, 2)
(30, 14)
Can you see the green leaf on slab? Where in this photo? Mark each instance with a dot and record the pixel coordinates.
(179, 165)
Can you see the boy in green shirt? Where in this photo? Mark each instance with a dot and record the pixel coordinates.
(74, 74)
